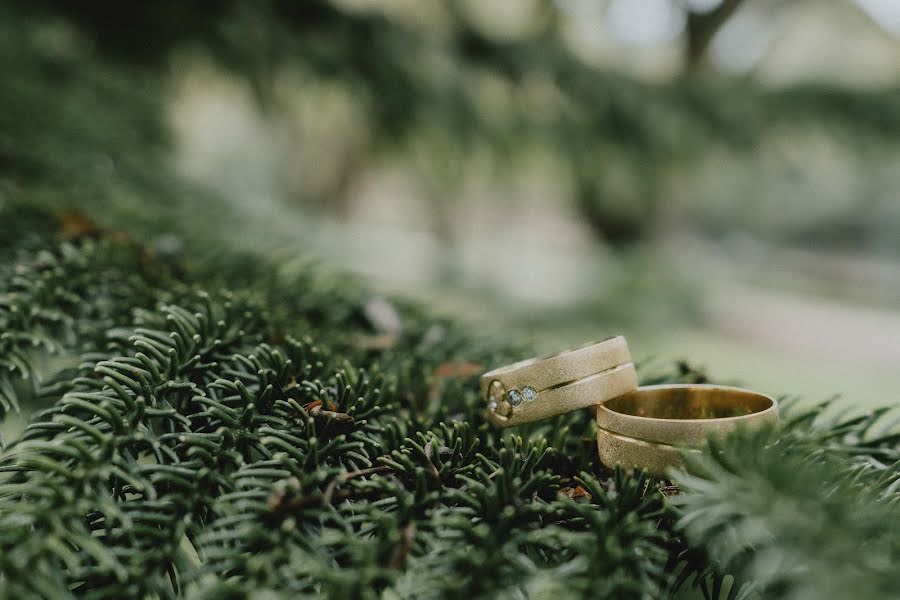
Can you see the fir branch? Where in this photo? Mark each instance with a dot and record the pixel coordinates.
(219, 444)
(797, 519)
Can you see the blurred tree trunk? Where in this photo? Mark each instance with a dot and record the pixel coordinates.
(702, 27)
(619, 220)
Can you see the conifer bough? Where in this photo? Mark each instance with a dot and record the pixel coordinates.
(195, 442)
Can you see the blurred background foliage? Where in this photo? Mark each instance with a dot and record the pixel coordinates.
(717, 179)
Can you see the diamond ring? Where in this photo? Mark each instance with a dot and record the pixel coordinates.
(540, 388)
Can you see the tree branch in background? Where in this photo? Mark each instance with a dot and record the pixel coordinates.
(702, 27)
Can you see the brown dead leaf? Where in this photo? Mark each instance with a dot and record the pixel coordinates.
(317, 403)
(458, 369)
(75, 225)
(577, 493)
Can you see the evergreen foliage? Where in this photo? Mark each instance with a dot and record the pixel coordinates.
(275, 441)
(208, 420)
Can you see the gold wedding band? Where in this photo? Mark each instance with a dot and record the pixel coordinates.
(652, 426)
(540, 388)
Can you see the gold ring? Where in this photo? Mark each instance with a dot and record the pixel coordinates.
(540, 388)
(652, 426)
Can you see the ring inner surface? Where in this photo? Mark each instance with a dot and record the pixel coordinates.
(689, 403)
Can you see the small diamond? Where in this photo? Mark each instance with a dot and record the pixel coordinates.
(514, 396)
(529, 394)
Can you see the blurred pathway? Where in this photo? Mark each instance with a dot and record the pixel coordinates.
(839, 332)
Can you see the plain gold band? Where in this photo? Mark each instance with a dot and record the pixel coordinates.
(623, 451)
(650, 427)
(584, 393)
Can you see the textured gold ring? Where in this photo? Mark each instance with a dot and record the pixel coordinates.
(650, 427)
(541, 388)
